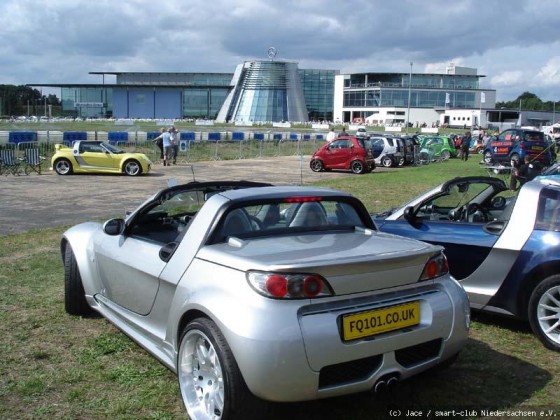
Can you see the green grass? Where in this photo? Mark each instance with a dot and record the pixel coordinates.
(53, 365)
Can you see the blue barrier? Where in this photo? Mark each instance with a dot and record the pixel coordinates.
(277, 136)
(152, 135)
(68, 137)
(214, 136)
(189, 135)
(319, 137)
(293, 137)
(259, 136)
(118, 136)
(238, 136)
(307, 137)
(22, 136)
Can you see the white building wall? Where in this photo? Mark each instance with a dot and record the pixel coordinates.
(338, 97)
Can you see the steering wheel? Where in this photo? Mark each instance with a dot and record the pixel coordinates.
(471, 209)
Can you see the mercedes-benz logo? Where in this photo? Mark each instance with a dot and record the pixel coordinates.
(272, 52)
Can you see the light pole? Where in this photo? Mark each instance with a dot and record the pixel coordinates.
(409, 87)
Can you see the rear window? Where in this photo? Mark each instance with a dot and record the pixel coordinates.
(533, 136)
(284, 216)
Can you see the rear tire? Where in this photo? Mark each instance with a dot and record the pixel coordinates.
(75, 302)
(358, 167)
(63, 167)
(544, 312)
(210, 381)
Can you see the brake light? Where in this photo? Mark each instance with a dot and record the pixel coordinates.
(302, 199)
(436, 267)
(289, 286)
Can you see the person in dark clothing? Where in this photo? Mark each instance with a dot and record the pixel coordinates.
(523, 172)
(465, 144)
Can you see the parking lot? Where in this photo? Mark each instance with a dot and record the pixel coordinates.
(47, 200)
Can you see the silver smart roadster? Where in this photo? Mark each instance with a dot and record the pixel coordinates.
(252, 293)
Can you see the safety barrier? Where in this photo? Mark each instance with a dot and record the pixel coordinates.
(193, 146)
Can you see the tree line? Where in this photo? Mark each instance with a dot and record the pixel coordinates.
(530, 102)
(24, 100)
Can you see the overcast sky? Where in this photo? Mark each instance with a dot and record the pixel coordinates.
(514, 43)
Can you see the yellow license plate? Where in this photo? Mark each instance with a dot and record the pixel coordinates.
(537, 148)
(365, 324)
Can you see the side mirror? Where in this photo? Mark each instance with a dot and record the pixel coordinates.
(409, 215)
(114, 227)
(166, 251)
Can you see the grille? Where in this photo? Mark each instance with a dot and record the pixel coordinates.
(348, 372)
(419, 353)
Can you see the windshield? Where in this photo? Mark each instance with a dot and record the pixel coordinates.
(112, 149)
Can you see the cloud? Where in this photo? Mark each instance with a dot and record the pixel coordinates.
(58, 41)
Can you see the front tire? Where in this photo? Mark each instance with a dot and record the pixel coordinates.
(132, 168)
(544, 312)
(63, 167)
(75, 302)
(209, 379)
(316, 165)
(445, 155)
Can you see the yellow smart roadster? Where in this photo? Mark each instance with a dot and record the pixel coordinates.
(88, 156)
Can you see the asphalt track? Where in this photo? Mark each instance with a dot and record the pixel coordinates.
(49, 200)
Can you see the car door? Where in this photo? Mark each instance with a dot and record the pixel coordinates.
(503, 144)
(129, 270)
(377, 146)
(132, 260)
(467, 244)
(93, 155)
(340, 153)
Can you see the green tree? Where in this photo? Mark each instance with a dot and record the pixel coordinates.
(527, 101)
(23, 100)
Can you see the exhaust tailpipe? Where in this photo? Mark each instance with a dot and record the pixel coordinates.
(385, 383)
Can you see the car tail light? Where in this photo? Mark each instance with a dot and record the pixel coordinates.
(288, 285)
(436, 267)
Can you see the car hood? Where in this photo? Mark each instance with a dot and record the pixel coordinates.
(352, 262)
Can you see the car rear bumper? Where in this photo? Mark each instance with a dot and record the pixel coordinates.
(307, 359)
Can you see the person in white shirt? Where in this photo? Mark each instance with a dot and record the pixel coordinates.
(331, 136)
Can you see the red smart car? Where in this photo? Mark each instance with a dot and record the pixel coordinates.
(346, 153)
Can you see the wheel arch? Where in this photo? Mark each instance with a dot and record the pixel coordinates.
(79, 238)
(530, 282)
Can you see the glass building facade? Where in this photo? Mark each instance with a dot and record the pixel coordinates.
(318, 90)
(426, 90)
(265, 91)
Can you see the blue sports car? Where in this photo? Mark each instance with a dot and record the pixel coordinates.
(503, 246)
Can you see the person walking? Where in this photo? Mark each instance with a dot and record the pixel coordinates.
(174, 139)
(465, 144)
